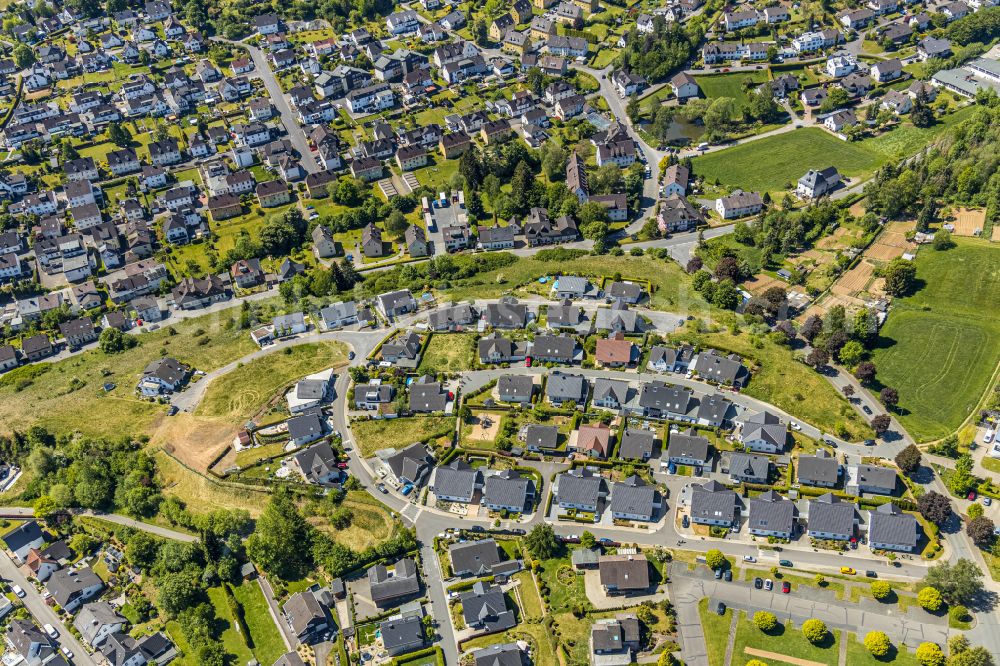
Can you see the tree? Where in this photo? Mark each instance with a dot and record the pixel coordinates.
(977, 656)
(542, 542)
(396, 224)
(865, 372)
(728, 268)
(811, 327)
(817, 357)
(281, 543)
(765, 621)
(694, 264)
(24, 57)
(814, 630)
(943, 240)
(929, 654)
(881, 423)
(974, 510)
(877, 643)
(632, 109)
(889, 397)
(715, 559)
(725, 295)
(908, 460)
(113, 341)
(899, 276)
(921, 114)
(119, 135)
(980, 530)
(930, 599)
(848, 391)
(958, 583)
(881, 589)
(178, 590)
(935, 507)
(587, 540)
(851, 353)
(44, 506)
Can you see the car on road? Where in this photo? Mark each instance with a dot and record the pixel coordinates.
(351, 355)
(768, 584)
(795, 426)
(785, 563)
(50, 630)
(988, 437)
(866, 409)
(786, 587)
(382, 489)
(728, 576)
(721, 608)
(758, 582)
(850, 571)
(869, 442)
(16, 589)
(972, 496)
(871, 574)
(66, 651)
(749, 558)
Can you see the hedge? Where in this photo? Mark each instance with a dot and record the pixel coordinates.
(420, 654)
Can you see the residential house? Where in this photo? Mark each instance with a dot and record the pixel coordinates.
(71, 588)
(771, 515)
(636, 444)
(624, 574)
(688, 448)
(388, 587)
(484, 608)
(830, 518)
(748, 468)
(634, 499)
(739, 204)
(306, 617)
(508, 491)
(580, 489)
(561, 389)
(889, 528)
(714, 504)
(821, 470)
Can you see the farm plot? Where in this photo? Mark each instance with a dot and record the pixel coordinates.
(855, 280)
(969, 222)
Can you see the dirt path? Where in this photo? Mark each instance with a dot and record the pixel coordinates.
(754, 652)
(732, 638)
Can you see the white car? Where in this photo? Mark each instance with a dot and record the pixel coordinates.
(17, 590)
(796, 427)
(66, 651)
(749, 558)
(50, 630)
(988, 437)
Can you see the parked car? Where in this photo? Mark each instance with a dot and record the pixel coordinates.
(16, 589)
(758, 582)
(786, 587)
(850, 571)
(721, 608)
(50, 630)
(728, 576)
(972, 496)
(987, 501)
(871, 574)
(66, 651)
(382, 489)
(718, 574)
(351, 355)
(866, 409)
(768, 584)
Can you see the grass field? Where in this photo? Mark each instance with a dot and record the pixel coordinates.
(201, 494)
(232, 640)
(371, 522)
(235, 396)
(716, 630)
(788, 156)
(44, 393)
(729, 85)
(940, 346)
(448, 352)
(267, 643)
(397, 433)
(786, 640)
(788, 384)
(858, 654)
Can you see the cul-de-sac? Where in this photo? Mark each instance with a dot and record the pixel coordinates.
(502, 333)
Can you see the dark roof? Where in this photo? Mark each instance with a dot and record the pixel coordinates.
(624, 572)
(749, 465)
(400, 582)
(475, 557)
(409, 463)
(400, 633)
(579, 486)
(302, 610)
(317, 461)
(875, 476)
(688, 445)
(541, 436)
(428, 397)
(634, 497)
(456, 479)
(23, 535)
(771, 512)
(306, 425)
(485, 606)
(828, 514)
(712, 501)
(510, 386)
(507, 488)
(636, 444)
(818, 468)
(506, 654)
(889, 525)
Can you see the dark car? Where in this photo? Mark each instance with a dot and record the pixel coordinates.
(866, 409)
(728, 576)
(785, 563)
(350, 356)
(871, 574)
(758, 582)
(721, 608)
(685, 522)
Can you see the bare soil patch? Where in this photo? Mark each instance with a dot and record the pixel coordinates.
(854, 280)
(484, 427)
(968, 221)
(194, 440)
(761, 283)
(754, 652)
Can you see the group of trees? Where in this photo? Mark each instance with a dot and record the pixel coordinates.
(722, 115)
(845, 340)
(654, 55)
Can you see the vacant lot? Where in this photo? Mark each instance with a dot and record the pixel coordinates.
(788, 157)
(202, 494)
(940, 346)
(237, 395)
(398, 433)
(448, 352)
(67, 396)
(730, 85)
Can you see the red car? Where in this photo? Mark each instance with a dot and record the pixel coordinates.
(342, 465)
(972, 496)
(527, 362)
(786, 587)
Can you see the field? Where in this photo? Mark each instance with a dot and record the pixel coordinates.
(729, 85)
(716, 630)
(237, 395)
(398, 433)
(786, 640)
(790, 385)
(268, 645)
(858, 654)
(202, 494)
(67, 396)
(788, 157)
(448, 352)
(371, 522)
(941, 345)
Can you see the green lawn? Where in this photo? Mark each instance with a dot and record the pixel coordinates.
(787, 156)
(448, 352)
(397, 433)
(232, 640)
(729, 85)
(716, 630)
(267, 642)
(237, 395)
(786, 640)
(941, 345)
(858, 654)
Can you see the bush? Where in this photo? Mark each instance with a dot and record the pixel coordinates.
(930, 599)
(877, 643)
(765, 620)
(959, 613)
(929, 654)
(715, 559)
(756, 662)
(881, 589)
(814, 630)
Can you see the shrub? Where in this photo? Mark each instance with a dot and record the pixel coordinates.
(814, 630)
(756, 662)
(881, 589)
(715, 559)
(959, 613)
(930, 599)
(877, 643)
(765, 620)
(929, 654)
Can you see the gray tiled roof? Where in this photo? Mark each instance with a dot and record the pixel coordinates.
(771, 512)
(875, 476)
(688, 445)
(624, 572)
(475, 557)
(615, 388)
(511, 386)
(401, 582)
(818, 468)
(828, 514)
(485, 606)
(561, 386)
(506, 654)
(402, 633)
(748, 465)
(664, 397)
(579, 486)
(889, 525)
(633, 497)
(541, 436)
(637, 444)
(712, 501)
(456, 480)
(507, 488)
